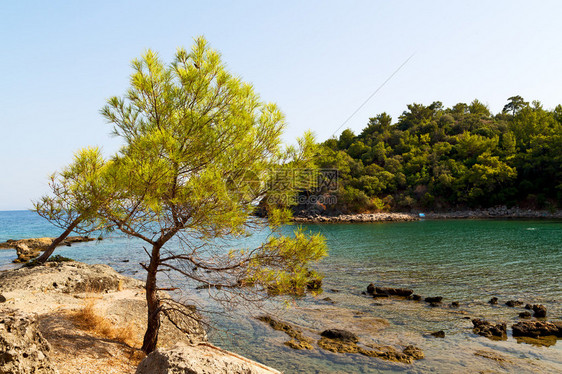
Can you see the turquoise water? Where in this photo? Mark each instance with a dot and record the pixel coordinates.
(468, 261)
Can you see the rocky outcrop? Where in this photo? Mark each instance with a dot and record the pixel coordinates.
(44, 243)
(28, 249)
(23, 349)
(66, 277)
(199, 359)
(489, 329)
(25, 253)
(535, 329)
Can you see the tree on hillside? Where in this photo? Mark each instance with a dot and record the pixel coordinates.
(77, 194)
(515, 104)
(201, 150)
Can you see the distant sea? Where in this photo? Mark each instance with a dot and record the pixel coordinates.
(468, 261)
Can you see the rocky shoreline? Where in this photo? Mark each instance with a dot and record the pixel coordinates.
(501, 212)
(28, 249)
(40, 332)
(538, 328)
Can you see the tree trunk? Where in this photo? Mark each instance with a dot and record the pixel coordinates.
(49, 251)
(153, 303)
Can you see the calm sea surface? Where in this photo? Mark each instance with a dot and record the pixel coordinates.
(468, 261)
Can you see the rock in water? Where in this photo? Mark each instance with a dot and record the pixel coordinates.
(199, 359)
(438, 334)
(535, 329)
(405, 292)
(25, 253)
(436, 299)
(414, 352)
(493, 301)
(489, 330)
(23, 350)
(525, 314)
(388, 291)
(338, 334)
(514, 303)
(539, 311)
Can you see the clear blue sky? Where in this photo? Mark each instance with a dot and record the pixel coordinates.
(319, 60)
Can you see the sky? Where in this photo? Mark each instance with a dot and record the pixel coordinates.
(318, 60)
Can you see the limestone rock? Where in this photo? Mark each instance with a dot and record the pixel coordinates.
(25, 253)
(199, 359)
(68, 277)
(44, 243)
(23, 350)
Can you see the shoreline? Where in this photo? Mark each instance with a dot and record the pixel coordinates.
(490, 213)
(66, 317)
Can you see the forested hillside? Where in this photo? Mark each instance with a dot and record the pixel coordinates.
(442, 158)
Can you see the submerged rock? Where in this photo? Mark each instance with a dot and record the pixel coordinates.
(438, 334)
(493, 301)
(408, 355)
(535, 329)
(414, 352)
(404, 292)
(525, 314)
(342, 335)
(298, 344)
(436, 299)
(298, 341)
(388, 291)
(489, 329)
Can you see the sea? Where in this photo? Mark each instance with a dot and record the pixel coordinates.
(467, 261)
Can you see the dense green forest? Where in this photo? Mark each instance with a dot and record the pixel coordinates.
(448, 158)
